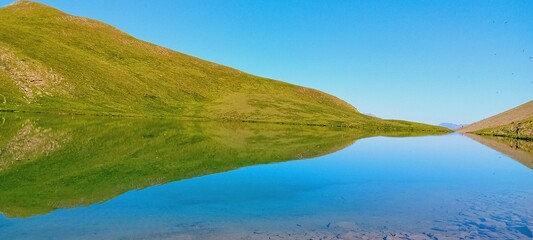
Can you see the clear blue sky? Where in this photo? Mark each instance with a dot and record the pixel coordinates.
(428, 61)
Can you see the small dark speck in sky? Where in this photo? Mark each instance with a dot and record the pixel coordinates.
(505, 22)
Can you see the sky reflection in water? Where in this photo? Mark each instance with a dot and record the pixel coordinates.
(413, 187)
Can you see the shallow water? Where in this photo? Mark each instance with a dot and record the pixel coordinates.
(434, 187)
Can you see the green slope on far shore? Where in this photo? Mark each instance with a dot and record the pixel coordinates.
(515, 123)
(58, 63)
(519, 130)
(508, 118)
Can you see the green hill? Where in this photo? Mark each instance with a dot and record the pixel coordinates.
(522, 129)
(516, 122)
(57, 63)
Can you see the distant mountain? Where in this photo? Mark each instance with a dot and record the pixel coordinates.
(516, 122)
(452, 126)
(54, 62)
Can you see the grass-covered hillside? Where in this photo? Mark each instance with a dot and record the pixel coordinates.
(508, 118)
(519, 130)
(516, 123)
(54, 62)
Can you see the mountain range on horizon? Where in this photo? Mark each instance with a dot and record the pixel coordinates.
(452, 126)
(54, 62)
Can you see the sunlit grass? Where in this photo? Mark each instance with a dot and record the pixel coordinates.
(56, 63)
(519, 130)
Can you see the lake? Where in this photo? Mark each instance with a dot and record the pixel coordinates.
(99, 178)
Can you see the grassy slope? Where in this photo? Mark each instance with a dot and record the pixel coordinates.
(515, 123)
(503, 120)
(59, 162)
(520, 130)
(54, 62)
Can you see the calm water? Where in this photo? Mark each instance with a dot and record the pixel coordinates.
(140, 180)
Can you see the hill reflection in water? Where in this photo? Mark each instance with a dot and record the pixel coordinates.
(48, 163)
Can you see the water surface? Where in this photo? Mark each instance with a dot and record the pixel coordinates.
(146, 179)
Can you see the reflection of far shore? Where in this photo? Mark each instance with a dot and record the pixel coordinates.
(519, 150)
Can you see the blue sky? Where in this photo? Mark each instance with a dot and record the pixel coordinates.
(427, 61)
